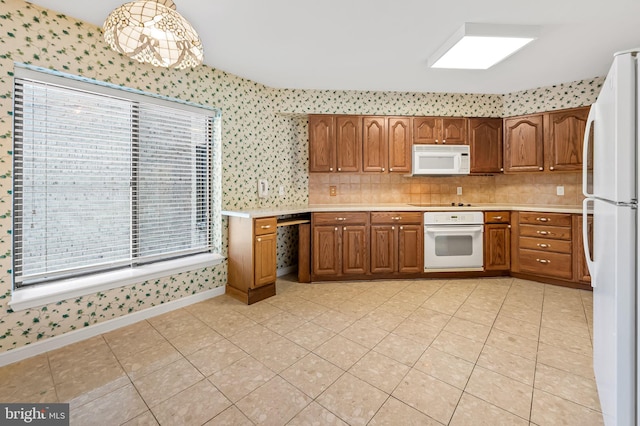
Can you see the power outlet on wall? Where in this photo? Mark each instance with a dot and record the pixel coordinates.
(459, 190)
(333, 190)
(560, 190)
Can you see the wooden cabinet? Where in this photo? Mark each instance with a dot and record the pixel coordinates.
(497, 241)
(485, 145)
(340, 245)
(335, 143)
(523, 144)
(252, 258)
(580, 262)
(440, 130)
(386, 143)
(396, 243)
(564, 135)
(544, 245)
(545, 142)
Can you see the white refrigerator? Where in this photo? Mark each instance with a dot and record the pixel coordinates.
(611, 191)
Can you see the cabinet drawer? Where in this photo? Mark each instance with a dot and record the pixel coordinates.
(340, 218)
(550, 264)
(497, 217)
(553, 232)
(545, 245)
(265, 225)
(555, 219)
(396, 217)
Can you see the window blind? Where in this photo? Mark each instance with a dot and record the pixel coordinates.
(104, 182)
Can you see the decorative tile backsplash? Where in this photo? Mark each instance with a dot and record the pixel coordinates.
(264, 135)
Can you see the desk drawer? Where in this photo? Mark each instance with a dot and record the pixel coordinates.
(265, 225)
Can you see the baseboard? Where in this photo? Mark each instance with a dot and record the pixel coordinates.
(286, 271)
(33, 349)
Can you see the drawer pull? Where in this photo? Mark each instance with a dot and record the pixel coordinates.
(265, 226)
(543, 219)
(543, 261)
(543, 232)
(341, 219)
(497, 218)
(396, 218)
(544, 245)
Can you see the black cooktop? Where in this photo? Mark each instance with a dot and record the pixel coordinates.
(440, 205)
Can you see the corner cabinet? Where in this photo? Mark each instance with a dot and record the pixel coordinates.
(497, 241)
(523, 144)
(252, 258)
(340, 245)
(396, 243)
(485, 144)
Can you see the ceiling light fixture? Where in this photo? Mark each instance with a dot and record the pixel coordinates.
(153, 32)
(480, 46)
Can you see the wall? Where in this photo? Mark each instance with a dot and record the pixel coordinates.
(264, 135)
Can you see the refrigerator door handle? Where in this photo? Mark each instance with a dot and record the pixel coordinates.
(585, 149)
(585, 240)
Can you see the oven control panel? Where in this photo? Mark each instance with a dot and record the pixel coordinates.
(453, 218)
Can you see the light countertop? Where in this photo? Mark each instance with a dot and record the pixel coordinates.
(315, 208)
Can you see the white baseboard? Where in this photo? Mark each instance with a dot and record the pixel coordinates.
(33, 349)
(286, 271)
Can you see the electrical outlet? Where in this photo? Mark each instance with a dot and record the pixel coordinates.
(333, 190)
(560, 190)
(281, 190)
(459, 190)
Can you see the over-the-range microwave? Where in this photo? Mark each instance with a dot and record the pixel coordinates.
(440, 160)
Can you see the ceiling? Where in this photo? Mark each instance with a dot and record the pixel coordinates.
(384, 45)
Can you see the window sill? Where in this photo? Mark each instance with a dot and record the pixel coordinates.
(38, 295)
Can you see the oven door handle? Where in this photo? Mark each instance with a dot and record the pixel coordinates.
(462, 229)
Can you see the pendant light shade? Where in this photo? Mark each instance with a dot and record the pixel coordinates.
(153, 32)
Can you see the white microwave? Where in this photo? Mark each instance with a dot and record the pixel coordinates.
(440, 160)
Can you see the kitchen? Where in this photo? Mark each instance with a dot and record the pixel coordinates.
(253, 150)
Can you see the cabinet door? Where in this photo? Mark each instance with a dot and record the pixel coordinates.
(326, 255)
(355, 250)
(322, 143)
(399, 141)
(383, 249)
(453, 131)
(265, 259)
(348, 143)
(410, 249)
(523, 144)
(564, 138)
(374, 144)
(581, 269)
(497, 247)
(485, 145)
(425, 130)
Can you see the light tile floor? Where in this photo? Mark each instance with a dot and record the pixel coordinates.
(496, 351)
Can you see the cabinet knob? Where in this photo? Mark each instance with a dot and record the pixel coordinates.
(390, 169)
(551, 168)
(543, 261)
(543, 219)
(383, 169)
(339, 169)
(335, 229)
(401, 228)
(259, 239)
(437, 140)
(541, 168)
(502, 169)
(509, 226)
(330, 169)
(393, 228)
(344, 229)
(444, 141)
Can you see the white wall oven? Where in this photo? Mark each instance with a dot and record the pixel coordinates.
(453, 241)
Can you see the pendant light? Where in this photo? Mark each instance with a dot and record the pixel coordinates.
(153, 32)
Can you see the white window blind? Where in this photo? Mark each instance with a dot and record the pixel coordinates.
(103, 182)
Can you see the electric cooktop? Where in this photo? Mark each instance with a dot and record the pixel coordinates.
(440, 205)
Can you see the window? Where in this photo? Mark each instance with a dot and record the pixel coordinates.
(106, 178)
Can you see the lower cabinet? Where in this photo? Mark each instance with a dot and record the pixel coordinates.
(396, 243)
(340, 245)
(252, 258)
(497, 241)
(580, 261)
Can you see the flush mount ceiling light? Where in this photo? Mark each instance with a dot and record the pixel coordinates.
(480, 46)
(153, 32)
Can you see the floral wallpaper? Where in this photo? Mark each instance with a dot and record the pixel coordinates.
(264, 135)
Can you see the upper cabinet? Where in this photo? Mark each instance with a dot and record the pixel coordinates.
(545, 142)
(335, 143)
(485, 144)
(386, 144)
(564, 134)
(440, 130)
